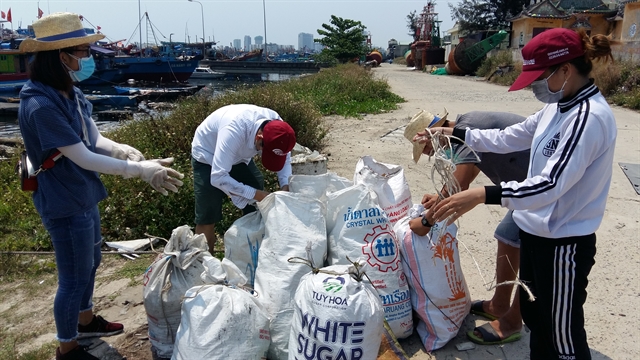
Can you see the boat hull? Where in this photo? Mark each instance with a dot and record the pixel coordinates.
(155, 69)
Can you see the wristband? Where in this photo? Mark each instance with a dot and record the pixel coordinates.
(425, 222)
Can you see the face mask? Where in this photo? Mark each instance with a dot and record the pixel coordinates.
(541, 91)
(86, 67)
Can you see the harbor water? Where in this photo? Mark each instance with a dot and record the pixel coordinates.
(211, 87)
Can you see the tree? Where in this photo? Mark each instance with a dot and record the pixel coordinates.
(412, 24)
(344, 39)
(478, 15)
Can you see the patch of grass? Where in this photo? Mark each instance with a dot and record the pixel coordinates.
(133, 208)
(13, 266)
(618, 81)
(400, 60)
(131, 270)
(501, 58)
(10, 345)
(347, 90)
(629, 99)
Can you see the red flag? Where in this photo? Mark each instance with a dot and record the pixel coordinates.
(98, 27)
(9, 15)
(3, 15)
(40, 12)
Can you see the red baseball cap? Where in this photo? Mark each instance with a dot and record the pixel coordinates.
(278, 139)
(552, 47)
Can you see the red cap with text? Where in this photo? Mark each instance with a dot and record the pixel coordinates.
(552, 47)
(278, 139)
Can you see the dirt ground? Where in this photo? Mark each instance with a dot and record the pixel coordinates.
(612, 309)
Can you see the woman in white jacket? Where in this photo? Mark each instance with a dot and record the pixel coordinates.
(561, 204)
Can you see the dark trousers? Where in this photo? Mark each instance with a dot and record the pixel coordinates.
(556, 272)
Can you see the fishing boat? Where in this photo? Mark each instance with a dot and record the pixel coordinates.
(113, 100)
(13, 70)
(162, 66)
(160, 63)
(203, 72)
(159, 93)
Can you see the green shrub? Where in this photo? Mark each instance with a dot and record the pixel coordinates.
(606, 77)
(629, 99)
(490, 64)
(400, 60)
(347, 90)
(133, 208)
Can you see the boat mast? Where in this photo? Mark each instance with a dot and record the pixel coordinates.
(140, 28)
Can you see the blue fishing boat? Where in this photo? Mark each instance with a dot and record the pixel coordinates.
(113, 100)
(158, 93)
(163, 66)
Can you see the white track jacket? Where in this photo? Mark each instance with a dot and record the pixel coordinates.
(570, 167)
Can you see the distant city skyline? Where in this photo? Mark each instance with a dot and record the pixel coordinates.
(226, 20)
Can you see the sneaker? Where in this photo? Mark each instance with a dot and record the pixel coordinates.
(99, 327)
(78, 353)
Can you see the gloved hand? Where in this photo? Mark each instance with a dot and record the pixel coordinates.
(126, 152)
(159, 176)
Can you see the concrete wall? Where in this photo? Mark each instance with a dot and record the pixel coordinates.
(631, 23)
(522, 29)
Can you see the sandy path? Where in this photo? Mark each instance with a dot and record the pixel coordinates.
(611, 310)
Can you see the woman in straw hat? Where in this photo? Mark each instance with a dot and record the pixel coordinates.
(561, 203)
(55, 117)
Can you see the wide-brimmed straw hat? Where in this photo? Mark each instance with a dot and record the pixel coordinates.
(419, 122)
(58, 31)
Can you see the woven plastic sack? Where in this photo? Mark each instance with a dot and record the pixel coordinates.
(336, 316)
(223, 319)
(439, 292)
(165, 283)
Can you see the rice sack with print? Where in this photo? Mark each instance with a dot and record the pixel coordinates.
(337, 315)
(358, 228)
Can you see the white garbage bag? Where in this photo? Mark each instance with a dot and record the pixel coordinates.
(318, 186)
(242, 243)
(359, 229)
(336, 316)
(294, 227)
(439, 293)
(389, 183)
(223, 320)
(167, 280)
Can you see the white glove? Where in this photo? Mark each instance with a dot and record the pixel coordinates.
(126, 152)
(160, 177)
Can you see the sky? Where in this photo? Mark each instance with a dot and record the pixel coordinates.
(227, 20)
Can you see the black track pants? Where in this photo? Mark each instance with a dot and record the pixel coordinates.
(556, 271)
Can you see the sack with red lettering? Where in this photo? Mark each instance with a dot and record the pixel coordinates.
(242, 243)
(223, 319)
(294, 227)
(359, 229)
(337, 315)
(389, 183)
(165, 283)
(439, 293)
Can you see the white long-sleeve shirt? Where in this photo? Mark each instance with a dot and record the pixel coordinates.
(572, 145)
(226, 138)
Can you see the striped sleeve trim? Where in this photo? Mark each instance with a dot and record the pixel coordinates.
(559, 167)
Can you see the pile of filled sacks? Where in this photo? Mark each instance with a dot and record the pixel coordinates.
(315, 273)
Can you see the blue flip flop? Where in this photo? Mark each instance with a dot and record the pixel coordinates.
(490, 336)
(476, 309)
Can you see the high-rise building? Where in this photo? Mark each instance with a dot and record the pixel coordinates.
(237, 44)
(258, 40)
(305, 42)
(247, 43)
